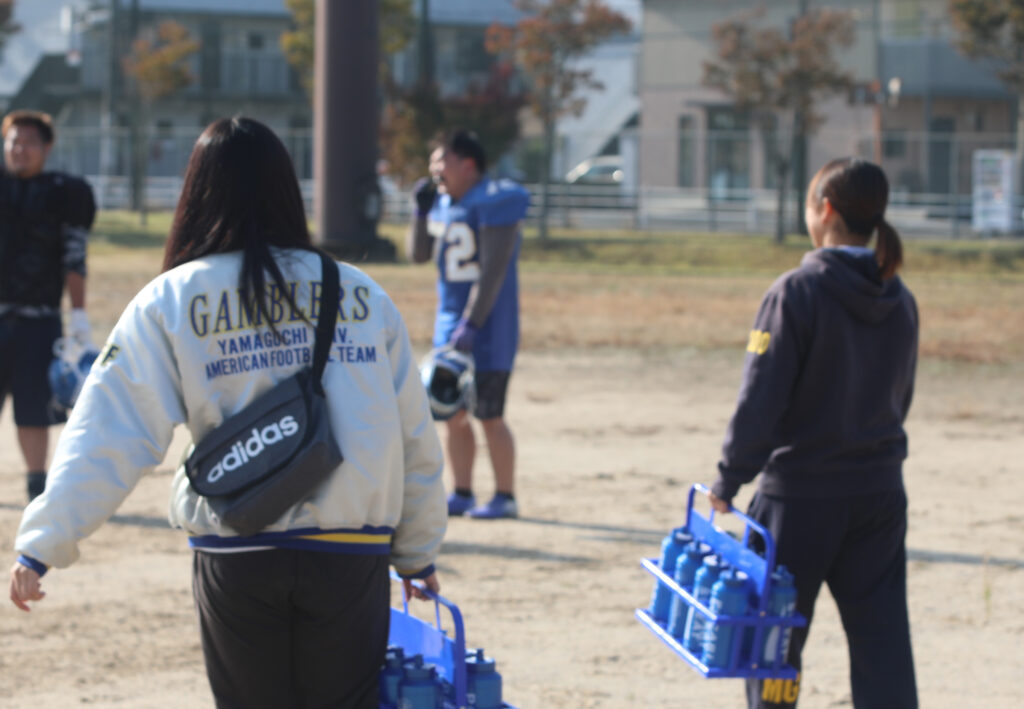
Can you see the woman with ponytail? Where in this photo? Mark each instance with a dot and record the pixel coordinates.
(827, 383)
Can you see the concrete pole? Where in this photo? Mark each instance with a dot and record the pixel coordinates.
(136, 127)
(880, 86)
(108, 108)
(799, 156)
(346, 197)
(425, 47)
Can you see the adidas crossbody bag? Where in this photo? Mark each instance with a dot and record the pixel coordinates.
(270, 455)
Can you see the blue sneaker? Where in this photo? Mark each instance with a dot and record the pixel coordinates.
(500, 507)
(459, 505)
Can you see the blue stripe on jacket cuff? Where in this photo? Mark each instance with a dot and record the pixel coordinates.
(34, 564)
(421, 574)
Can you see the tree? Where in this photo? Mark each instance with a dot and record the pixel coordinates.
(490, 109)
(7, 24)
(409, 122)
(396, 29)
(993, 30)
(779, 78)
(416, 117)
(545, 45)
(159, 62)
(159, 65)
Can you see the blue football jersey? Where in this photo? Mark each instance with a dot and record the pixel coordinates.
(457, 227)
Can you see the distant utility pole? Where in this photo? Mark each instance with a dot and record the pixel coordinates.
(108, 119)
(799, 156)
(136, 132)
(425, 46)
(878, 86)
(346, 195)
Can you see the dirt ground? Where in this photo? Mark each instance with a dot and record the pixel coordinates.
(610, 439)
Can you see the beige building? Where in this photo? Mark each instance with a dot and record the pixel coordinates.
(933, 110)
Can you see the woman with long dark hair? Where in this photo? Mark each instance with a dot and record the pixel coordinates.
(827, 384)
(297, 614)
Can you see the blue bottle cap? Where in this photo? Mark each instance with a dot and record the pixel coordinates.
(417, 669)
(714, 560)
(733, 577)
(696, 549)
(681, 535)
(477, 663)
(782, 576)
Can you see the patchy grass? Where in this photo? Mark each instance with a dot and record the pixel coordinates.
(651, 290)
(721, 252)
(122, 229)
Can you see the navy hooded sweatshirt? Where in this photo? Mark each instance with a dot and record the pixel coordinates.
(827, 383)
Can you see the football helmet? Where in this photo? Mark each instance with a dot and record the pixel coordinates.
(448, 377)
(68, 370)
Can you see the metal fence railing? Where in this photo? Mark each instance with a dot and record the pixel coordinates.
(649, 208)
(727, 190)
(734, 211)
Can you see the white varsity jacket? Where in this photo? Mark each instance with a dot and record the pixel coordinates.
(186, 351)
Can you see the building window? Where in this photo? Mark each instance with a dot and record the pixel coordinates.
(460, 59)
(685, 164)
(255, 41)
(209, 56)
(905, 18)
(728, 152)
(471, 54)
(771, 148)
(894, 144)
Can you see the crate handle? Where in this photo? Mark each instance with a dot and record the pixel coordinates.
(458, 642)
(749, 524)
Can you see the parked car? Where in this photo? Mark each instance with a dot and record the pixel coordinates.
(597, 183)
(600, 170)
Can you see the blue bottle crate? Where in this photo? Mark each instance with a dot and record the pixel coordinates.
(447, 653)
(754, 626)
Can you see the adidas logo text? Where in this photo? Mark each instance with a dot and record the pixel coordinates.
(244, 451)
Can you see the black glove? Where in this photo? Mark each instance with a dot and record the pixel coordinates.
(424, 193)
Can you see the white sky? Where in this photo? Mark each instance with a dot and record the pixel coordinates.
(40, 34)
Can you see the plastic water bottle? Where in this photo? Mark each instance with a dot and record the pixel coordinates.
(447, 694)
(781, 602)
(671, 547)
(728, 597)
(707, 574)
(419, 688)
(483, 683)
(686, 569)
(391, 675)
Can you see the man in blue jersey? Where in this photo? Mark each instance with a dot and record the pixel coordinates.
(470, 224)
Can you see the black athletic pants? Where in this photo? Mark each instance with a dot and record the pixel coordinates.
(297, 629)
(857, 546)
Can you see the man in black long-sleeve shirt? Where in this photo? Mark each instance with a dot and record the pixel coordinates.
(45, 219)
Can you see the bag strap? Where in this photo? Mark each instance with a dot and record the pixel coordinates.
(325, 323)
